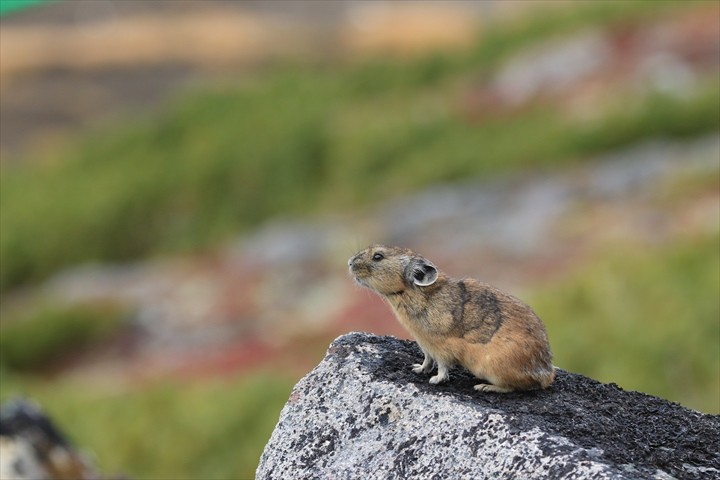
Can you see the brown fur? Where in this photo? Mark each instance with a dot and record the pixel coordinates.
(459, 322)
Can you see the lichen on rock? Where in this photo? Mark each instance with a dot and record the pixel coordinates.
(361, 413)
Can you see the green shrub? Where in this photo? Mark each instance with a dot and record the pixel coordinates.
(36, 339)
(646, 319)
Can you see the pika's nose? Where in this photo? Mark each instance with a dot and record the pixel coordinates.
(352, 260)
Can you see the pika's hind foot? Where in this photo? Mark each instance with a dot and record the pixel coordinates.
(486, 387)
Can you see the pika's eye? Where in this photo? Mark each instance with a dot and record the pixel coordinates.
(378, 256)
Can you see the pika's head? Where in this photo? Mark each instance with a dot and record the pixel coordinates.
(391, 270)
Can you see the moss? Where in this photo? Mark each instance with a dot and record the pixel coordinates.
(36, 339)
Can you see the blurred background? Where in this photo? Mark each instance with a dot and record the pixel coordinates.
(182, 183)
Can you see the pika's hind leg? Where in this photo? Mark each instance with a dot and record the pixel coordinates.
(442, 374)
(485, 387)
(427, 364)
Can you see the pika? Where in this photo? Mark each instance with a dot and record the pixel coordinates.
(497, 337)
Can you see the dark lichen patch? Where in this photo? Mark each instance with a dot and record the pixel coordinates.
(322, 444)
(383, 417)
(621, 427)
(354, 428)
(561, 470)
(472, 437)
(405, 457)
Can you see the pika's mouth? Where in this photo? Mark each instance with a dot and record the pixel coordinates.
(359, 275)
(362, 281)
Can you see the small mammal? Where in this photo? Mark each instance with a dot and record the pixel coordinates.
(491, 333)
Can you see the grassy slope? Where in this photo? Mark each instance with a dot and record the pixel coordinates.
(295, 143)
(644, 319)
(655, 329)
(298, 141)
(210, 430)
(39, 337)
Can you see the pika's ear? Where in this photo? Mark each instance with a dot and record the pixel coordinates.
(421, 272)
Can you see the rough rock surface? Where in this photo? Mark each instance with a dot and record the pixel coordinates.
(361, 413)
(33, 448)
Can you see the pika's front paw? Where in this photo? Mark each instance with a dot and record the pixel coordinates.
(438, 379)
(421, 368)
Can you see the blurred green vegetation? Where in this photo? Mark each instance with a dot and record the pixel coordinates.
(297, 140)
(632, 317)
(37, 339)
(210, 430)
(646, 319)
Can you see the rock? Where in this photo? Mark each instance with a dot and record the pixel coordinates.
(33, 448)
(361, 413)
(18, 460)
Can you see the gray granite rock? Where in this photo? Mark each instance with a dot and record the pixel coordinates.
(361, 413)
